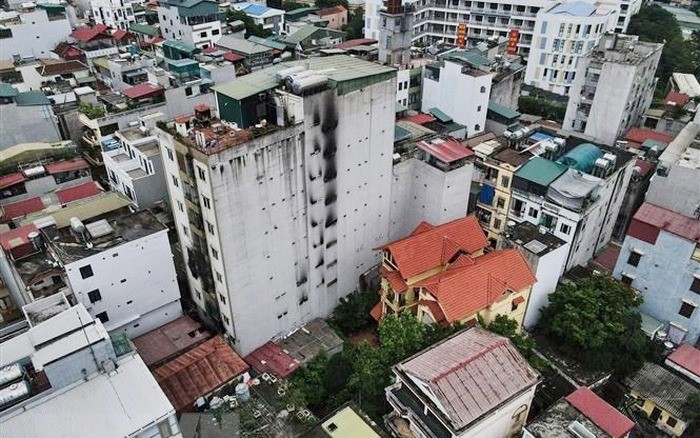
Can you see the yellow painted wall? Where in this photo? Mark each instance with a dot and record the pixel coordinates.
(648, 407)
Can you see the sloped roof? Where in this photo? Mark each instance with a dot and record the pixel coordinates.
(59, 68)
(446, 150)
(676, 98)
(66, 166)
(78, 192)
(666, 220)
(420, 119)
(688, 357)
(541, 171)
(394, 279)
(663, 387)
(22, 208)
(426, 250)
(609, 419)
(11, 179)
(332, 10)
(170, 339)
(32, 98)
(576, 9)
(471, 374)
(271, 357)
(198, 372)
(470, 285)
(356, 42)
(638, 135)
(16, 237)
(503, 110)
(7, 90)
(85, 34)
(144, 29)
(143, 90)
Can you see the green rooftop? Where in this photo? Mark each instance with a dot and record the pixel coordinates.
(144, 29)
(440, 115)
(7, 90)
(401, 133)
(298, 13)
(503, 110)
(180, 46)
(347, 74)
(470, 57)
(31, 98)
(541, 171)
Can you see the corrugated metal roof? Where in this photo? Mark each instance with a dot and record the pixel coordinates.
(471, 374)
(172, 338)
(663, 387)
(66, 166)
(688, 357)
(141, 91)
(271, 357)
(22, 208)
(577, 9)
(600, 412)
(7, 90)
(32, 98)
(11, 179)
(446, 150)
(661, 219)
(502, 110)
(81, 191)
(541, 171)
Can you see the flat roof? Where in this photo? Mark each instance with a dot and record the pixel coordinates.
(677, 191)
(343, 68)
(503, 110)
(528, 237)
(121, 402)
(541, 171)
(307, 342)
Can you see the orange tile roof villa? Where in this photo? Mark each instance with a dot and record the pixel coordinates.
(441, 274)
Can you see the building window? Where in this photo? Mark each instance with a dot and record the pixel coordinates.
(483, 89)
(477, 128)
(671, 421)
(222, 299)
(185, 231)
(696, 254)
(103, 317)
(215, 32)
(564, 228)
(210, 228)
(202, 34)
(202, 174)
(219, 277)
(86, 271)
(180, 206)
(478, 109)
(686, 310)
(94, 296)
(500, 203)
(532, 212)
(695, 285)
(206, 202)
(176, 183)
(627, 279)
(634, 258)
(505, 181)
(164, 429)
(215, 253)
(226, 320)
(170, 154)
(497, 224)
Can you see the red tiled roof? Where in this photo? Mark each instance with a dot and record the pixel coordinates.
(67, 51)
(121, 34)
(143, 90)
(22, 208)
(465, 290)
(66, 166)
(210, 49)
(424, 251)
(606, 417)
(173, 338)
(676, 98)
(233, 57)
(471, 374)
(16, 241)
(420, 119)
(338, 9)
(638, 135)
(607, 258)
(688, 357)
(198, 372)
(422, 227)
(518, 300)
(81, 191)
(376, 312)
(271, 357)
(11, 179)
(650, 220)
(85, 34)
(435, 310)
(356, 42)
(395, 280)
(446, 151)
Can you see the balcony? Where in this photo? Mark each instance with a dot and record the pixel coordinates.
(406, 403)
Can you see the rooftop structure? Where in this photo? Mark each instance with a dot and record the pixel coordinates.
(441, 389)
(311, 339)
(199, 372)
(685, 83)
(581, 411)
(345, 422)
(663, 388)
(686, 360)
(271, 357)
(170, 340)
(651, 219)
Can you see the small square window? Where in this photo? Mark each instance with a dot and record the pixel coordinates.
(222, 299)
(86, 271)
(686, 310)
(202, 175)
(206, 202)
(695, 285)
(94, 296)
(219, 277)
(627, 280)
(532, 212)
(634, 258)
(500, 203)
(564, 228)
(671, 421)
(103, 317)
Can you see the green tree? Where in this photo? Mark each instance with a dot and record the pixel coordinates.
(310, 380)
(356, 24)
(595, 320)
(691, 408)
(321, 4)
(352, 313)
(251, 28)
(292, 5)
(540, 107)
(400, 335)
(371, 374)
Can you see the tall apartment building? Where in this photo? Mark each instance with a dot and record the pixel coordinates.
(565, 32)
(613, 87)
(133, 163)
(117, 14)
(32, 33)
(279, 204)
(65, 368)
(194, 22)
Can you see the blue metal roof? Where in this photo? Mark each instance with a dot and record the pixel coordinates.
(582, 157)
(540, 136)
(255, 10)
(577, 9)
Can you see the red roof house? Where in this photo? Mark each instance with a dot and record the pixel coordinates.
(272, 358)
(606, 417)
(143, 91)
(76, 193)
(169, 340)
(21, 208)
(650, 220)
(66, 166)
(87, 34)
(686, 360)
(636, 136)
(199, 372)
(16, 241)
(676, 99)
(11, 180)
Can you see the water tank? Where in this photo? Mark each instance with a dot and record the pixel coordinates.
(10, 373)
(35, 238)
(242, 392)
(582, 158)
(289, 79)
(282, 74)
(301, 84)
(14, 393)
(77, 226)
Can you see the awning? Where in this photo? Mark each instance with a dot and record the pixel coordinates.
(441, 116)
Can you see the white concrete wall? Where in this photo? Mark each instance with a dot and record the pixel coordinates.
(500, 423)
(36, 37)
(548, 269)
(463, 97)
(116, 14)
(421, 192)
(372, 8)
(403, 83)
(137, 283)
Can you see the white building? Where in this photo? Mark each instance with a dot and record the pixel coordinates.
(459, 89)
(32, 33)
(279, 204)
(133, 163)
(117, 14)
(576, 198)
(565, 32)
(613, 87)
(194, 22)
(66, 369)
(624, 10)
(269, 18)
(474, 384)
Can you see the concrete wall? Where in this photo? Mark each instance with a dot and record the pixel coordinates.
(137, 283)
(548, 269)
(421, 192)
(27, 124)
(663, 276)
(44, 186)
(79, 365)
(507, 91)
(36, 37)
(460, 96)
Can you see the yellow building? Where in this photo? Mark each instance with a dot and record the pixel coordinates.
(662, 396)
(442, 275)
